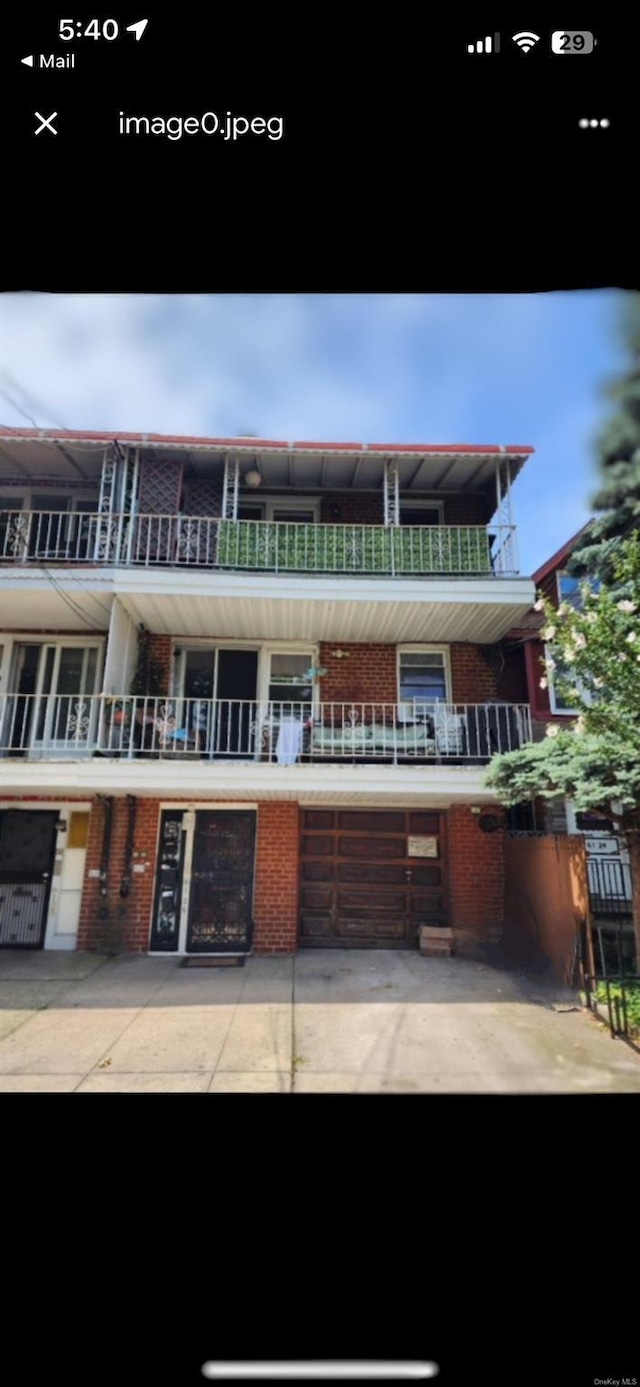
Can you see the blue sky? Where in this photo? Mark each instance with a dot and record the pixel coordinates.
(373, 368)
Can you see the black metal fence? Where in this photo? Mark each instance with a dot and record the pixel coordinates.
(608, 953)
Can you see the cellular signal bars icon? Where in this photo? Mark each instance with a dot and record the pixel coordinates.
(487, 45)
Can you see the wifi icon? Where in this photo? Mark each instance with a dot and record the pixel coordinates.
(526, 41)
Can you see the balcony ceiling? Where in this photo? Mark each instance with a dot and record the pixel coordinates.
(274, 607)
(267, 606)
(76, 458)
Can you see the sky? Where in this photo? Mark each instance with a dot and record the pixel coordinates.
(392, 368)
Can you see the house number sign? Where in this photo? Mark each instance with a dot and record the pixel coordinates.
(423, 847)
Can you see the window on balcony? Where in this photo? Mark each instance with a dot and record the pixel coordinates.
(293, 512)
(420, 513)
(422, 679)
(288, 682)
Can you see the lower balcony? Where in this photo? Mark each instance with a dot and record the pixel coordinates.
(75, 727)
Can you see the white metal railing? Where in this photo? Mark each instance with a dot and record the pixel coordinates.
(73, 726)
(264, 545)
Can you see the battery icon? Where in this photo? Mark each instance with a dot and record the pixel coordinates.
(572, 41)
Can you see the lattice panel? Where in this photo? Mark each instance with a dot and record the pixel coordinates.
(204, 497)
(160, 485)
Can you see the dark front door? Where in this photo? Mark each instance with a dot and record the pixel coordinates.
(236, 690)
(27, 845)
(222, 882)
(369, 878)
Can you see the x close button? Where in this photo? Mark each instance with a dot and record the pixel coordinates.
(45, 123)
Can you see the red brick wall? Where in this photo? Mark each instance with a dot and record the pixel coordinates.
(366, 675)
(367, 508)
(534, 656)
(472, 509)
(113, 923)
(364, 509)
(476, 879)
(473, 679)
(161, 649)
(275, 908)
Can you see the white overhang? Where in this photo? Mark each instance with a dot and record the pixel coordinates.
(30, 454)
(431, 785)
(267, 606)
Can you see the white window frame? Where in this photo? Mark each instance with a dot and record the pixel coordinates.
(21, 498)
(57, 643)
(553, 704)
(269, 504)
(423, 649)
(298, 503)
(423, 504)
(265, 649)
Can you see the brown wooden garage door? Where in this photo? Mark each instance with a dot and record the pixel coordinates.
(369, 878)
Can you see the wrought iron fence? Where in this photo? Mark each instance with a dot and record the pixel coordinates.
(263, 545)
(70, 726)
(608, 949)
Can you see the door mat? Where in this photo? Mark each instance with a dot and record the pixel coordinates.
(225, 961)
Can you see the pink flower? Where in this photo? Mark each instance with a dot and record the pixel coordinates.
(538, 606)
(544, 683)
(626, 606)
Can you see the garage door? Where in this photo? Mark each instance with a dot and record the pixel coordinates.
(370, 879)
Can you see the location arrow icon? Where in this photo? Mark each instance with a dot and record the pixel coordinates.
(138, 28)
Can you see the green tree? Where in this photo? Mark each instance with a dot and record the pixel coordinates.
(593, 657)
(618, 497)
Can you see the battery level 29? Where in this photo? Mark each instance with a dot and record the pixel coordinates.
(575, 41)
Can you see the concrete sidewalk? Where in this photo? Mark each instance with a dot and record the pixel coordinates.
(323, 1022)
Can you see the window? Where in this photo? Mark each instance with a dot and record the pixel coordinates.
(247, 512)
(569, 588)
(422, 676)
(288, 681)
(295, 512)
(416, 513)
(558, 701)
(296, 517)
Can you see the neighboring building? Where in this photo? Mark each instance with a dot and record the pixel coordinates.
(250, 689)
(524, 653)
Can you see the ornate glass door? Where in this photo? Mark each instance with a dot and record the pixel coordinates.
(221, 892)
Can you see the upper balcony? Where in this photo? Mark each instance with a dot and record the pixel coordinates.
(224, 530)
(265, 546)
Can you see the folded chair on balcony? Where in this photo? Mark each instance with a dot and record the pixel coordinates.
(450, 732)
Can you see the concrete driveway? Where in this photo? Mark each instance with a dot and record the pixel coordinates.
(323, 1022)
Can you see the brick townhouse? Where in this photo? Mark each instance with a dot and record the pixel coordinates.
(249, 690)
